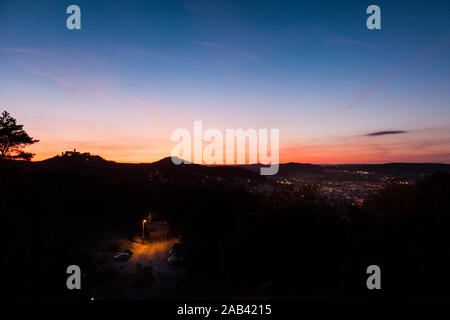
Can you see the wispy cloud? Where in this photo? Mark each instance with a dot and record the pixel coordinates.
(26, 51)
(59, 80)
(340, 40)
(139, 106)
(384, 133)
(443, 155)
(148, 52)
(365, 149)
(123, 103)
(364, 94)
(239, 52)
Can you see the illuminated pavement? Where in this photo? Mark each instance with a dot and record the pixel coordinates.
(154, 252)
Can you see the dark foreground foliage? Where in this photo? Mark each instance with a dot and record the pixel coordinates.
(287, 243)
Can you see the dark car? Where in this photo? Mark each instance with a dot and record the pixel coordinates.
(174, 260)
(176, 248)
(123, 255)
(175, 256)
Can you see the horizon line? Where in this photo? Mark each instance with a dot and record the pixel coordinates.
(255, 164)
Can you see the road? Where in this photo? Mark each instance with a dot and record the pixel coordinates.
(153, 252)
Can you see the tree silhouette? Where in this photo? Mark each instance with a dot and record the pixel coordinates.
(13, 138)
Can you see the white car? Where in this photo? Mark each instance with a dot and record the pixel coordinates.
(174, 260)
(123, 255)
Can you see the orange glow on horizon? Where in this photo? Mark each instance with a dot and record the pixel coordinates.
(315, 154)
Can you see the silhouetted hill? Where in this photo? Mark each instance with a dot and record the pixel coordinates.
(166, 170)
(287, 169)
(54, 211)
(163, 170)
(293, 169)
(73, 162)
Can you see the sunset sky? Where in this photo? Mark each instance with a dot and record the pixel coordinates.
(137, 70)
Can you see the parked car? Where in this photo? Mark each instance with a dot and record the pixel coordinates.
(123, 255)
(175, 256)
(176, 248)
(174, 260)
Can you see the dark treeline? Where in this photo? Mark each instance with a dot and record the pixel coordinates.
(50, 216)
(289, 243)
(294, 244)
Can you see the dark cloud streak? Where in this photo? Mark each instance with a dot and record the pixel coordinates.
(384, 133)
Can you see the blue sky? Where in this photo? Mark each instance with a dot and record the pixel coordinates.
(137, 70)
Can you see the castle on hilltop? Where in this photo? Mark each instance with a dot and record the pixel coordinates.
(80, 156)
(75, 154)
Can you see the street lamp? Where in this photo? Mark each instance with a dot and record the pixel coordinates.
(143, 228)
